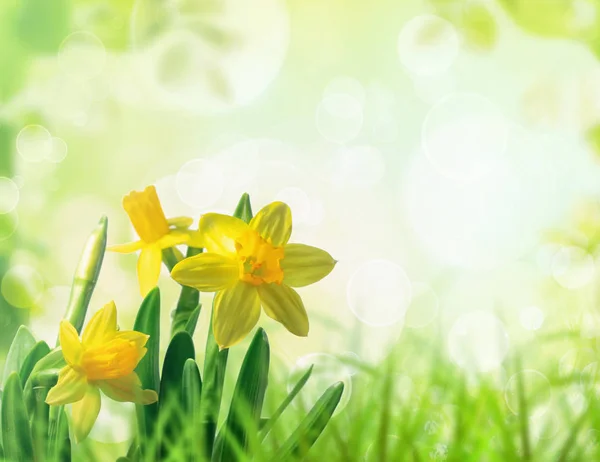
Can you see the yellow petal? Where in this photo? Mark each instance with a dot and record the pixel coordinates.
(303, 265)
(207, 272)
(138, 339)
(220, 232)
(71, 387)
(283, 304)
(85, 412)
(69, 342)
(126, 248)
(236, 312)
(146, 214)
(111, 360)
(173, 238)
(102, 327)
(274, 223)
(180, 222)
(128, 389)
(148, 268)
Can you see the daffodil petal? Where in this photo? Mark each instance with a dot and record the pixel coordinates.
(102, 327)
(172, 239)
(180, 222)
(303, 265)
(283, 304)
(207, 272)
(85, 412)
(128, 389)
(220, 232)
(138, 338)
(274, 223)
(236, 312)
(71, 387)
(148, 268)
(69, 342)
(130, 247)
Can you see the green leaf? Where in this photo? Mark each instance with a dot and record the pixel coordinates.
(181, 348)
(59, 441)
(215, 360)
(22, 344)
(39, 350)
(312, 425)
(147, 321)
(86, 275)
(268, 424)
(191, 393)
(247, 401)
(188, 304)
(40, 423)
(16, 435)
(192, 322)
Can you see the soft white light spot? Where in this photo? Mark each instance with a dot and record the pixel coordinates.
(531, 318)
(298, 201)
(115, 422)
(537, 392)
(544, 426)
(59, 150)
(385, 128)
(434, 88)
(327, 370)
(22, 286)
(423, 307)
(34, 143)
(584, 15)
(9, 195)
(575, 360)
(200, 183)
(339, 118)
(346, 86)
(82, 55)
(52, 307)
(360, 166)
(379, 292)
(427, 45)
(464, 136)
(573, 267)
(478, 341)
(545, 256)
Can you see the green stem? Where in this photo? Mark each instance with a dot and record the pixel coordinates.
(189, 300)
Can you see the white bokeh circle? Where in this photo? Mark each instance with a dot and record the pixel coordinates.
(573, 267)
(9, 195)
(200, 183)
(424, 306)
(82, 56)
(339, 117)
(537, 389)
(34, 143)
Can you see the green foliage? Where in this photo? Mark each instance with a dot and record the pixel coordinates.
(23, 342)
(16, 434)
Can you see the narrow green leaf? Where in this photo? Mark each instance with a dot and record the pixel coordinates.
(86, 275)
(312, 425)
(192, 322)
(39, 350)
(16, 435)
(40, 424)
(22, 344)
(267, 424)
(60, 442)
(188, 304)
(181, 348)
(215, 361)
(191, 393)
(247, 401)
(147, 321)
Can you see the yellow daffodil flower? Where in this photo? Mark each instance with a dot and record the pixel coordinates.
(252, 265)
(156, 233)
(104, 359)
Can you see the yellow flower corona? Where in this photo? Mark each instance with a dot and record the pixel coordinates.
(156, 233)
(252, 265)
(103, 360)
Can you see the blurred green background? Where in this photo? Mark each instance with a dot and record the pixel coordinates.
(445, 152)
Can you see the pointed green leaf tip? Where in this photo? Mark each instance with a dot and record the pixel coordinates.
(86, 275)
(20, 347)
(16, 435)
(243, 211)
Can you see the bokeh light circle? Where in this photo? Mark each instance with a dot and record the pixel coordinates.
(544, 426)
(298, 201)
(9, 195)
(478, 341)
(428, 45)
(531, 318)
(464, 136)
(200, 183)
(327, 370)
(423, 307)
(52, 305)
(358, 167)
(346, 86)
(59, 150)
(537, 392)
(572, 267)
(8, 225)
(379, 293)
(82, 56)
(34, 143)
(339, 117)
(22, 286)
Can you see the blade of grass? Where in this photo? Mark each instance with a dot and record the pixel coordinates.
(40, 350)
(16, 434)
(20, 347)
